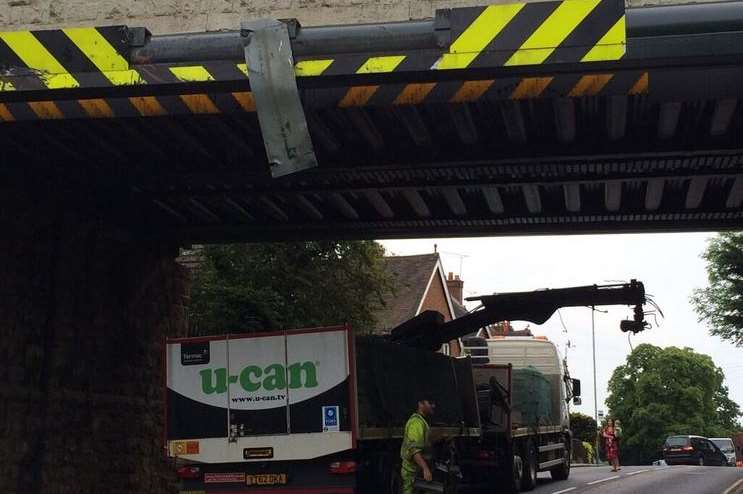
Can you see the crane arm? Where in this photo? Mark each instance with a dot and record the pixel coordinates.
(428, 330)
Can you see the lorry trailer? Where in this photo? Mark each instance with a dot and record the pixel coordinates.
(323, 410)
(310, 410)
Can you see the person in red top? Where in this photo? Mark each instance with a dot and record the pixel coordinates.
(612, 445)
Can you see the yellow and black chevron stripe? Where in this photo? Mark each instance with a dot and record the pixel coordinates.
(470, 91)
(65, 59)
(568, 31)
(571, 31)
(497, 36)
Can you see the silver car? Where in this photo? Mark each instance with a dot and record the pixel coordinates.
(727, 447)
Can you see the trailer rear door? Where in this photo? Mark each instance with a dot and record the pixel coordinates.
(278, 396)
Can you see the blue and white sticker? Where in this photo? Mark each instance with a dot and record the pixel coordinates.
(330, 421)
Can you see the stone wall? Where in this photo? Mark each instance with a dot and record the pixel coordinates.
(174, 16)
(83, 310)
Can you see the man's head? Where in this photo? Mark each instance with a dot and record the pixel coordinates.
(426, 405)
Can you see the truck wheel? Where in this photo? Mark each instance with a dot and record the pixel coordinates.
(563, 471)
(509, 482)
(531, 468)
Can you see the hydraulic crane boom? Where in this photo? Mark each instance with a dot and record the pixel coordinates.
(428, 330)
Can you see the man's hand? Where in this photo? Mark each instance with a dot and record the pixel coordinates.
(421, 462)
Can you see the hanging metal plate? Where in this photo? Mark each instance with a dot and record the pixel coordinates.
(268, 54)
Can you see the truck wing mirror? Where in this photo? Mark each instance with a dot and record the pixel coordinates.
(576, 387)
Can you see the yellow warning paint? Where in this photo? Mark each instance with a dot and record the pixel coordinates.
(305, 68)
(147, 106)
(414, 94)
(611, 46)
(641, 86)
(309, 68)
(106, 59)
(553, 31)
(5, 114)
(245, 100)
(194, 73)
(358, 96)
(590, 85)
(30, 50)
(471, 91)
(531, 87)
(96, 108)
(199, 103)
(46, 110)
(380, 65)
(478, 36)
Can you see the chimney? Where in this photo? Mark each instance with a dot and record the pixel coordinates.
(456, 288)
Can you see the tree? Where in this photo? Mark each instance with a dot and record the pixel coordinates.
(664, 391)
(583, 427)
(269, 286)
(720, 305)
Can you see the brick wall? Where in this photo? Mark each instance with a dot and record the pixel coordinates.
(436, 300)
(172, 16)
(83, 310)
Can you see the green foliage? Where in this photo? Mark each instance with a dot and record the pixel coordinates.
(665, 391)
(255, 287)
(721, 304)
(583, 427)
(590, 453)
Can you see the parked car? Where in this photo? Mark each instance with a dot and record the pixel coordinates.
(727, 447)
(692, 450)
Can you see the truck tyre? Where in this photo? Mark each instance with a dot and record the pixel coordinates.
(563, 471)
(531, 467)
(509, 482)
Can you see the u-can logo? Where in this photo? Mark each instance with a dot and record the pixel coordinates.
(254, 378)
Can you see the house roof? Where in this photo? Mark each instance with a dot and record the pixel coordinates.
(410, 278)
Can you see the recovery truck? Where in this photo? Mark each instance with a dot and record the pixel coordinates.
(323, 410)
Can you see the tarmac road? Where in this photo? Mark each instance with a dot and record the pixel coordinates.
(646, 480)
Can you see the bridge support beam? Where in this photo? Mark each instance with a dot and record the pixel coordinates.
(83, 311)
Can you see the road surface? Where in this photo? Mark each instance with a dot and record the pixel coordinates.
(645, 480)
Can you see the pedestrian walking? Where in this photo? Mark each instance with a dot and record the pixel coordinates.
(611, 435)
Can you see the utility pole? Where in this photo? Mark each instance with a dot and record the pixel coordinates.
(595, 393)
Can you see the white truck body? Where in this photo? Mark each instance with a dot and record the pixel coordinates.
(523, 352)
(287, 393)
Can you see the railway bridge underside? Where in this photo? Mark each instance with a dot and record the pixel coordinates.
(558, 117)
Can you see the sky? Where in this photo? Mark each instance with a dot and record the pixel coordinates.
(669, 264)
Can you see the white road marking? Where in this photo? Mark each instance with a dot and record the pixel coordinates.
(635, 473)
(565, 490)
(603, 480)
(730, 489)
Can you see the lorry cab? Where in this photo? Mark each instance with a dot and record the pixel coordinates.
(535, 381)
(541, 355)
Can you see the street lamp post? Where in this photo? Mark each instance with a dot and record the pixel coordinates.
(595, 394)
